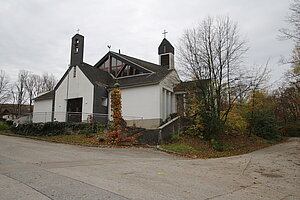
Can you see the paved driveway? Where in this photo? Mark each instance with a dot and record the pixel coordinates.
(32, 169)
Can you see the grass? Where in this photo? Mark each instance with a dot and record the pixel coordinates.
(180, 147)
(231, 145)
(83, 139)
(80, 138)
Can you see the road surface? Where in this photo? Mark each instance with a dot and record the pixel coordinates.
(31, 169)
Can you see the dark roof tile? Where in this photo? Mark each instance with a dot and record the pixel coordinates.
(45, 96)
(95, 75)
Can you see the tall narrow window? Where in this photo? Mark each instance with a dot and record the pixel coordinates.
(74, 72)
(104, 101)
(76, 46)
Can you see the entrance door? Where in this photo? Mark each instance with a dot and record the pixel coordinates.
(74, 110)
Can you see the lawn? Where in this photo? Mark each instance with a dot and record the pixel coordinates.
(231, 145)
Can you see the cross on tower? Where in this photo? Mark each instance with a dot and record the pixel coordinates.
(165, 33)
(78, 30)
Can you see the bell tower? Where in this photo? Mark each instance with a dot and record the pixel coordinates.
(166, 53)
(77, 50)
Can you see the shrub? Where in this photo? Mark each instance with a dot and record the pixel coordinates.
(56, 128)
(102, 139)
(216, 145)
(261, 117)
(236, 123)
(9, 123)
(176, 137)
(3, 126)
(292, 129)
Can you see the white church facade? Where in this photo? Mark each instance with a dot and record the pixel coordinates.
(147, 89)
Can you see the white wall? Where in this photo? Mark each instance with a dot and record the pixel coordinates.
(42, 111)
(140, 102)
(152, 102)
(70, 88)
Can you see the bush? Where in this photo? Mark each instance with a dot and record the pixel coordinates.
(266, 127)
(3, 126)
(216, 145)
(236, 124)
(9, 123)
(56, 128)
(291, 129)
(176, 137)
(261, 117)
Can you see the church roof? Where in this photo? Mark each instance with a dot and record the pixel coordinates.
(148, 65)
(192, 85)
(100, 77)
(142, 65)
(153, 73)
(144, 79)
(95, 75)
(45, 96)
(165, 47)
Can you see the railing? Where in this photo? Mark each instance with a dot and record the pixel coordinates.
(168, 129)
(42, 117)
(163, 133)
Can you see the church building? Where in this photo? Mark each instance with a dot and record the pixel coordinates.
(83, 92)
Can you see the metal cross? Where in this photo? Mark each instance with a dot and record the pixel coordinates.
(78, 30)
(108, 47)
(165, 33)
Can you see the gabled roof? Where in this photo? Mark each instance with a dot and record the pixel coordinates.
(95, 75)
(148, 65)
(153, 73)
(152, 78)
(190, 86)
(142, 65)
(165, 47)
(45, 96)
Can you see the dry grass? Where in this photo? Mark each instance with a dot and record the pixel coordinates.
(232, 145)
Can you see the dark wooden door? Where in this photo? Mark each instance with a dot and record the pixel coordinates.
(74, 110)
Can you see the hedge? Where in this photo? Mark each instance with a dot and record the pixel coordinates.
(56, 128)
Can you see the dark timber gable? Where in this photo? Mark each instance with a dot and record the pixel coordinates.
(119, 65)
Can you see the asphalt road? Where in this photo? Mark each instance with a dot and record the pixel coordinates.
(31, 169)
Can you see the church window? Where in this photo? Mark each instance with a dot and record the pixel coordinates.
(165, 60)
(113, 61)
(119, 62)
(74, 72)
(116, 66)
(105, 65)
(104, 101)
(76, 46)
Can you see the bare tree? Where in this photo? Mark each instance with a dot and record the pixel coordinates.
(33, 87)
(257, 82)
(48, 82)
(4, 87)
(294, 35)
(213, 51)
(19, 90)
(293, 19)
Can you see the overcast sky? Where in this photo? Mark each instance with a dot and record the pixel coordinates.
(36, 34)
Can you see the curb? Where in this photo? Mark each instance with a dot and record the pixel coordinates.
(174, 152)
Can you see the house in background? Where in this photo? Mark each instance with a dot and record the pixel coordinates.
(11, 111)
(83, 92)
